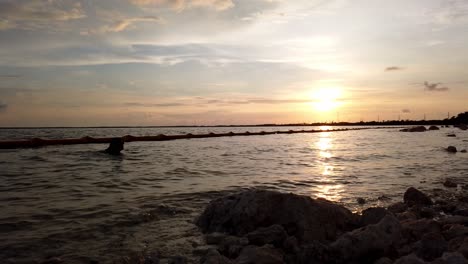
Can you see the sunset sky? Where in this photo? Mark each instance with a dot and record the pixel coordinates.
(205, 62)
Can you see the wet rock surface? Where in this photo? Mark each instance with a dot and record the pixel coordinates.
(256, 227)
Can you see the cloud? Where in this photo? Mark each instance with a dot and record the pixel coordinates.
(180, 5)
(37, 14)
(434, 87)
(406, 111)
(394, 68)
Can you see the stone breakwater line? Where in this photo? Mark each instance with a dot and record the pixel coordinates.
(38, 142)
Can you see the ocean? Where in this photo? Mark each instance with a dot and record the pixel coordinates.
(84, 206)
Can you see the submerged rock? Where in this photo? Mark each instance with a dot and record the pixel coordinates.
(451, 149)
(301, 216)
(434, 128)
(449, 183)
(416, 129)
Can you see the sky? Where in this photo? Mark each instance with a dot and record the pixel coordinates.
(211, 62)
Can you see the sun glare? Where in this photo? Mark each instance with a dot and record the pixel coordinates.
(326, 99)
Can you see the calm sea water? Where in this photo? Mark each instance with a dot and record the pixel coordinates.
(83, 206)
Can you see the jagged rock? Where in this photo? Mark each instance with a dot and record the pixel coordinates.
(214, 238)
(260, 255)
(413, 196)
(398, 207)
(231, 246)
(316, 253)
(202, 250)
(463, 248)
(274, 234)
(434, 128)
(372, 241)
(372, 215)
(451, 258)
(431, 246)
(291, 244)
(414, 229)
(410, 259)
(454, 231)
(214, 257)
(300, 216)
(383, 260)
(451, 149)
(177, 260)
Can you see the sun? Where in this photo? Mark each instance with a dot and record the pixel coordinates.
(326, 99)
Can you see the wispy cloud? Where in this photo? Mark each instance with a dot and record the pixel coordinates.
(9, 76)
(435, 87)
(180, 5)
(406, 111)
(394, 68)
(37, 14)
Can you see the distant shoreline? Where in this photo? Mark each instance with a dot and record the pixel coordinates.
(372, 123)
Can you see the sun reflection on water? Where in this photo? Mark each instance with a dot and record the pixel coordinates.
(327, 189)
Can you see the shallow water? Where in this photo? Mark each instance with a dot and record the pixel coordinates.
(83, 205)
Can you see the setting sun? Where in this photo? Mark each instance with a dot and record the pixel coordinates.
(326, 99)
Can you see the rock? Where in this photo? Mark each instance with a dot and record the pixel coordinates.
(451, 258)
(431, 246)
(53, 260)
(454, 231)
(316, 253)
(433, 128)
(463, 248)
(177, 260)
(291, 244)
(417, 129)
(414, 229)
(214, 238)
(260, 255)
(383, 260)
(462, 127)
(451, 135)
(361, 200)
(231, 246)
(202, 250)
(301, 216)
(455, 219)
(463, 151)
(115, 147)
(274, 235)
(398, 207)
(372, 241)
(410, 259)
(449, 183)
(462, 212)
(214, 257)
(413, 196)
(372, 215)
(451, 149)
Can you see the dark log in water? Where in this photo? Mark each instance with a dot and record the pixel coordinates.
(38, 142)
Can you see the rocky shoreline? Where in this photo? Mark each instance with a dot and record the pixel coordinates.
(260, 226)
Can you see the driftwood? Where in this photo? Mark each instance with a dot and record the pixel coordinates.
(38, 142)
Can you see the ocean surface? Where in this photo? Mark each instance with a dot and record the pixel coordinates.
(84, 206)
